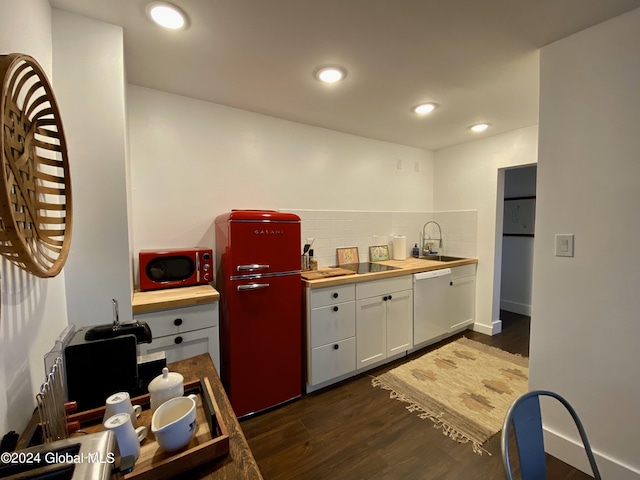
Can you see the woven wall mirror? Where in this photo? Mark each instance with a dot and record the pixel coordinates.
(35, 185)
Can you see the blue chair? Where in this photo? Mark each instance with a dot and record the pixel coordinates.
(525, 415)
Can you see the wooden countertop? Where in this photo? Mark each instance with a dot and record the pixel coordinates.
(405, 267)
(239, 463)
(154, 300)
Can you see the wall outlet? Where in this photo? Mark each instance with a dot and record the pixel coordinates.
(564, 245)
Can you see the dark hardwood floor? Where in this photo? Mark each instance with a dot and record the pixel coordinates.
(354, 431)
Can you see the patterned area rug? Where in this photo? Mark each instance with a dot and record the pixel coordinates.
(464, 387)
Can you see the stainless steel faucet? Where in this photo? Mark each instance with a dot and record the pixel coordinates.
(426, 250)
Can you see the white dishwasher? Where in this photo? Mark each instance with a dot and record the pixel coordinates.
(430, 295)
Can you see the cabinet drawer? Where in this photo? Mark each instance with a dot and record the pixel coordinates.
(332, 323)
(381, 287)
(328, 362)
(331, 295)
(463, 271)
(180, 320)
(185, 345)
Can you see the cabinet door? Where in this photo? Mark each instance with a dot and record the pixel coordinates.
(331, 361)
(332, 323)
(371, 331)
(399, 322)
(185, 345)
(174, 321)
(462, 299)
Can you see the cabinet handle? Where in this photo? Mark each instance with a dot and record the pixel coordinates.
(335, 309)
(336, 346)
(390, 297)
(384, 299)
(178, 340)
(450, 283)
(177, 322)
(335, 295)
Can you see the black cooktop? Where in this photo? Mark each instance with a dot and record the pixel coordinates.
(368, 267)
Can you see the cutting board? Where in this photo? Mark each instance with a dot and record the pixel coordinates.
(326, 273)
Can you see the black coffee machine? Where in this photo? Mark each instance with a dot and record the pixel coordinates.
(103, 359)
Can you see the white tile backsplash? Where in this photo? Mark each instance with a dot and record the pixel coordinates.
(341, 228)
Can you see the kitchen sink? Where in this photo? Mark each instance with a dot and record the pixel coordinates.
(442, 258)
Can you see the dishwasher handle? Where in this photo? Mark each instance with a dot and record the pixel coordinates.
(431, 274)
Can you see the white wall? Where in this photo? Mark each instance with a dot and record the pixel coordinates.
(192, 160)
(586, 309)
(517, 252)
(33, 310)
(467, 177)
(90, 86)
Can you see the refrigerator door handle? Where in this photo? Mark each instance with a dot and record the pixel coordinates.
(252, 286)
(253, 266)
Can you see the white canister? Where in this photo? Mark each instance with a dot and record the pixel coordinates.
(165, 387)
(399, 247)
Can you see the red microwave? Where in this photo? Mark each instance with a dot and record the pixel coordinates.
(176, 267)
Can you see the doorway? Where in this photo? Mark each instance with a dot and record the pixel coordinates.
(518, 231)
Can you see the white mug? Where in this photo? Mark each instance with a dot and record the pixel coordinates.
(121, 403)
(174, 422)
(128, 438)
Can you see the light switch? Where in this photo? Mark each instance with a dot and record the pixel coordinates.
(564, 245)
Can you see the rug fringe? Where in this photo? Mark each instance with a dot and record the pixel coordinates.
(447, 430)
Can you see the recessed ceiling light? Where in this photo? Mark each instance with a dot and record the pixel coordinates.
(331, 74)
(424, 108)
(479, 127)
(166, 15)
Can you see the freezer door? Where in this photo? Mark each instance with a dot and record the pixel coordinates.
(263, 247)
(263, 332)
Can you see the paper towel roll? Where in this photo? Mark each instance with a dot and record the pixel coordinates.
(399, 247)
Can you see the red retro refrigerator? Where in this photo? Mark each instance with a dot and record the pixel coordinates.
(259, 260)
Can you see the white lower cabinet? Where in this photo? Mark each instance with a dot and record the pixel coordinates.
(330, 325)
(185, 345)
(384, 319)
(183, 332)
(461, 298)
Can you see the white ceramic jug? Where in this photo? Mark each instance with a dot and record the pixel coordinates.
(174, 422)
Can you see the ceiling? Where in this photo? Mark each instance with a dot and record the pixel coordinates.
(478, 60)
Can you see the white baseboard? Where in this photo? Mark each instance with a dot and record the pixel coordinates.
(515, 307)
(573, 454)
(493, 329)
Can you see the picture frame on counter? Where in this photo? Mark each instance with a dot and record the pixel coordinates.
(378, 253)
(347, 255)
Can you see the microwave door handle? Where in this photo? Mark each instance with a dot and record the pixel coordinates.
(252, 286)
(198, 267)
(253, 266)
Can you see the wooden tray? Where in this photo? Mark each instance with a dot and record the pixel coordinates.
(326, 273)
(210, 441)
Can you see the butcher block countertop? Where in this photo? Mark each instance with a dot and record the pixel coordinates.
(406, 267)
(154, 300)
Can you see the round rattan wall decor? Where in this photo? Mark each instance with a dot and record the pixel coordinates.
(35, 184)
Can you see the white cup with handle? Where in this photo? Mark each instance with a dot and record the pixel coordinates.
(121, 403)
(128, 438)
